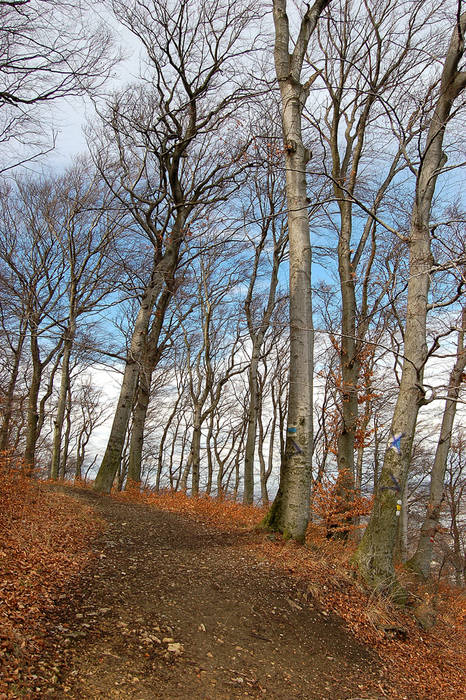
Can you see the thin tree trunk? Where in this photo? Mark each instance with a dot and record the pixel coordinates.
(10, 392)
(163, 440)
(66, 441)
(195, 452)
(61, 406)
(32, 410)
(250, 450)
(210, 464)
(422, 558)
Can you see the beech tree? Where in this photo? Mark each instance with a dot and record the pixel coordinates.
(289, 512)
(84, 227)
(374, 556)
(369, 69)
(212, 343)
(35, 271)
(163, 158)
(269, 243)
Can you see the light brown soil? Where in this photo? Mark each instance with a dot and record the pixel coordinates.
(171, 609)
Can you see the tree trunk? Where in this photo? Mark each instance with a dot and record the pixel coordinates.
(32, 410)
(374, 556)
(61, 406)
(66, 441)
(10, 392)
(116, 441)
(195, 452)
(422, 558)
(349, 363)
(289, 512)
(248, 494)
(210, 462)
(137, 431)
(150, 358)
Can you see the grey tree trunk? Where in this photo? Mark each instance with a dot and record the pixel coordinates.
(112, 457)
(374, 556)
(257, 331)
(150, 358)
(422, 558)
(32, 410)
(195, 452)
(10, 392)
(250, 449)
(61, 406)
(66, 441)
(36, 409)
(289, 512)
(349, 356)
(137, 431)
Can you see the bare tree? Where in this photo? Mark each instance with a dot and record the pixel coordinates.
(290, 510)
(369, 68)
(84, 227)
(269, 243)
(163, 158)
(36, 275)
(49, 49)
(374, 556)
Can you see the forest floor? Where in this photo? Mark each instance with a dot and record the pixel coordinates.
(178, 606)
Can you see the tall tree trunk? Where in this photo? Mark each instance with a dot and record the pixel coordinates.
(289, 512)
(195, 452)
(422, 558)
(10, 392)
(250, 449)
(61, 406)
(163, 440)
(374, 556)
(210, 462)
(349, 362)
(66, 441)
(150, 358)
(32, 410)
(116, 441)
(137, 431)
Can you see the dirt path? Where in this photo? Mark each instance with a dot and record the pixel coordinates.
(170, 610)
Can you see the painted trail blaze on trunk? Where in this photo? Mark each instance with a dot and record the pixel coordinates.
(289, 513)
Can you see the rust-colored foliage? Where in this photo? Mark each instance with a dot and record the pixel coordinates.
(337, 508)
(44, 540)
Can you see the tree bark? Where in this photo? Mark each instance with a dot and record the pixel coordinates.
(289, 512)
(422, 558)
(116, 441)
(61, 406)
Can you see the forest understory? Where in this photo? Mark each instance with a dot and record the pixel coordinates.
(168, 597)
